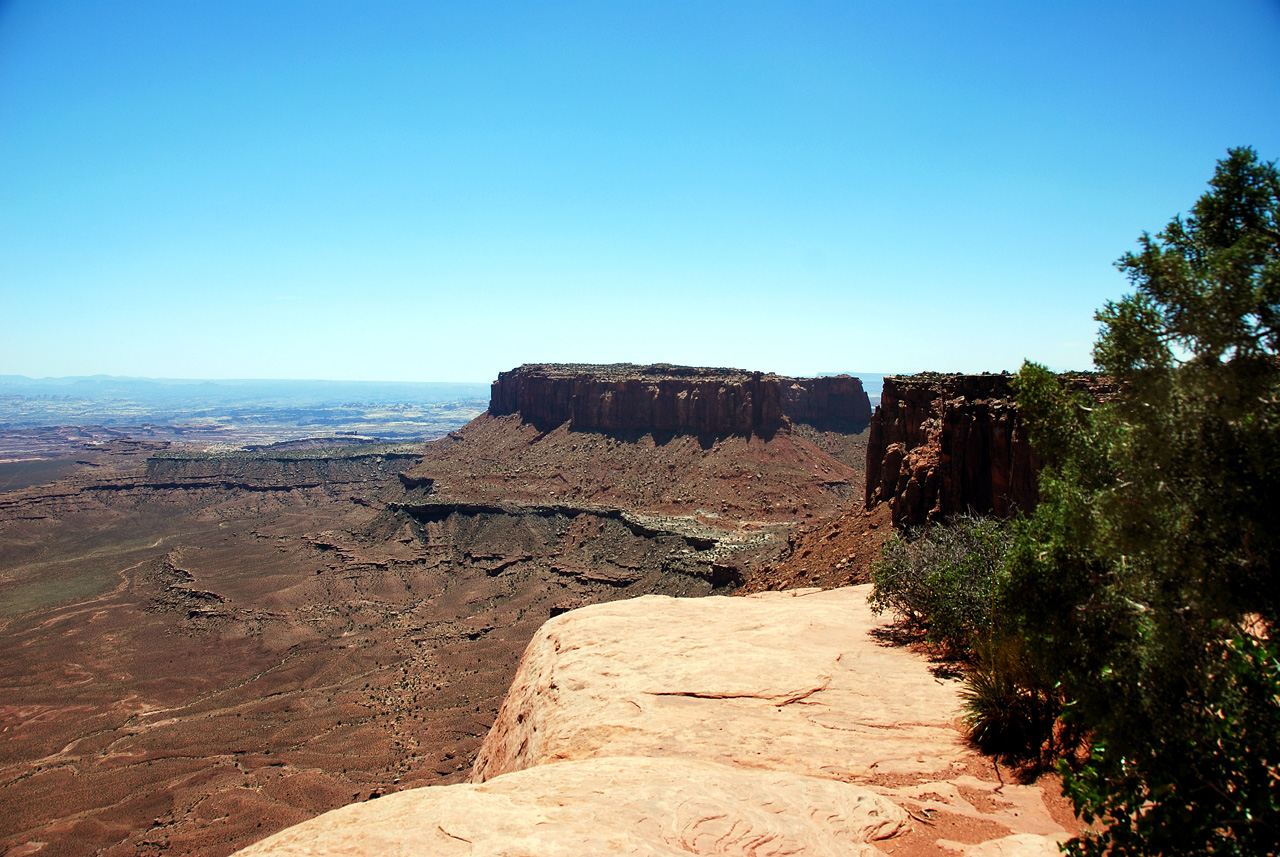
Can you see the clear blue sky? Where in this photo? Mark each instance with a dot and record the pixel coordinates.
(440, 191)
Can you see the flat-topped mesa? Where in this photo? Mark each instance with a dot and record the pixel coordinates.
(828, 403)
(942, 444)
(624, 397)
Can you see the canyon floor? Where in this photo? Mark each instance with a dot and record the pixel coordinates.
(197, 650)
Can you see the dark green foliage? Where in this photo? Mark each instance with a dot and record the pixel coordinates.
(1009, 710)
(943, 579)
(1155, 541)
(1208, 781)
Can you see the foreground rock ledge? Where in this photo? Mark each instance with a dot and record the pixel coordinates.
(608, 806)
(788, 681)
(772, 724)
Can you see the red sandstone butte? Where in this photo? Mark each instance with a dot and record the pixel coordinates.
(943, 444)
(625, 397)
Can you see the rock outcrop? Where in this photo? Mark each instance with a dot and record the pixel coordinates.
(829, 403)
(662, 398)
(772, 724)
(662, 806)
(783, 681)
(945, 444)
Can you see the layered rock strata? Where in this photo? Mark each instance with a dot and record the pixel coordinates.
(283, 470)
(676, 399)
(945, 444)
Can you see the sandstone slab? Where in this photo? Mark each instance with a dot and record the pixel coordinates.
(1017, 845)
(659, 806)
(778, 723)
(787, 681)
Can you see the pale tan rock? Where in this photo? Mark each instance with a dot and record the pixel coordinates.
(714, 725)
(786, 681)
(662, 806)
(1018, 845)
(1021, 808)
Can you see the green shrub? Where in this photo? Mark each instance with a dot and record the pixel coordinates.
(1207, 781)
(943, 579)
(1009, 711)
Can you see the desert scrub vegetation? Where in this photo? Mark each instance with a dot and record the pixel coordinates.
(944, 581)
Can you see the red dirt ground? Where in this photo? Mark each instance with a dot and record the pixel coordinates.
(189, 663)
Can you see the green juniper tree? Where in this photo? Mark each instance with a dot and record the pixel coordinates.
(1145, 584)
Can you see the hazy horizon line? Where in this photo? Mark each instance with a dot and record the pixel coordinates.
(165, 380)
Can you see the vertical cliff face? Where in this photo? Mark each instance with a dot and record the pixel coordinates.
(943, 444)
(832, 403)
(663, 398)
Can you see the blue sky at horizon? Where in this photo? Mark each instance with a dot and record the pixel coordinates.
(439, 192)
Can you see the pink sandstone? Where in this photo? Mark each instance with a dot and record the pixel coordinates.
(712, 725)
(660, 806)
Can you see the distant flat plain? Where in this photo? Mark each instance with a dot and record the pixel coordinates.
(51, 419)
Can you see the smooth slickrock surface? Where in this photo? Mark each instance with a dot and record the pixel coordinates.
(607, 806)
(787, 681)
(1018, 845)
(802, 681)
(779, 723)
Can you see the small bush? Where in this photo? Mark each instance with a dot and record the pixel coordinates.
(943, 579)
(1009, 711)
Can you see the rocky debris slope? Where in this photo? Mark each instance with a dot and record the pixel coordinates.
(827, 553)
(772, 724)
(678, 399)
(941, 444)
(584, 542)
(734, 482)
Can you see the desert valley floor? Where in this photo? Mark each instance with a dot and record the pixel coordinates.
(199, 649)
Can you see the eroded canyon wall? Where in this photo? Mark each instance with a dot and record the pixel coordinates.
(942, 444)
(663, 398)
